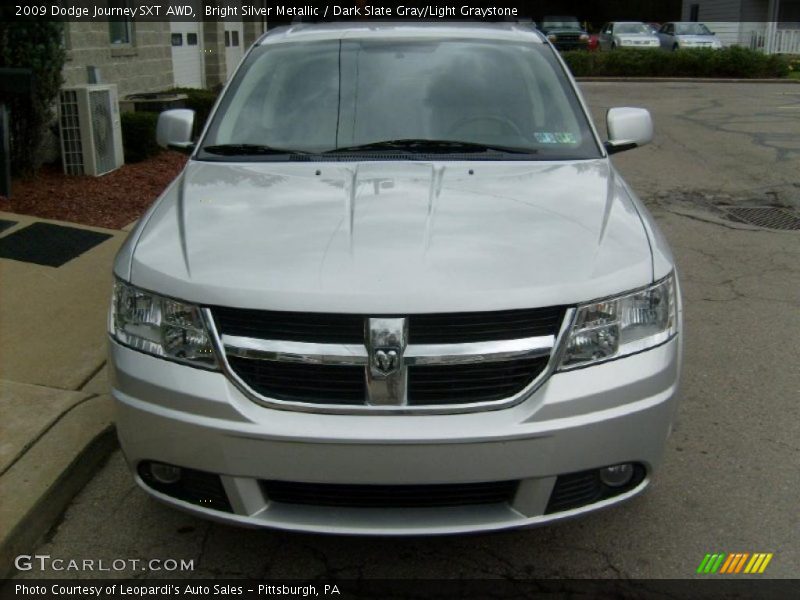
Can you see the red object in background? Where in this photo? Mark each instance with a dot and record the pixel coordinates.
(594, 42)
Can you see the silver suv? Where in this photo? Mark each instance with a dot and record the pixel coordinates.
(399, 288)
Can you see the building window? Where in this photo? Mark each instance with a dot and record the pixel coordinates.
(694, 12)
(191, 39)
(177, 39)
(234, 38)
(120, 29)
(227, 38)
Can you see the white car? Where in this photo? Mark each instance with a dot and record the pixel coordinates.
(399, 288)
(673, 36)
(627, 34)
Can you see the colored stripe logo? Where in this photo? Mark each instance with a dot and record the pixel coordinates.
(736, 562)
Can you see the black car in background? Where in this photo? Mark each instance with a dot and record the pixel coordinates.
(565, 33)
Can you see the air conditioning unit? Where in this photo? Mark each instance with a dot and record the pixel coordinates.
(91, 134)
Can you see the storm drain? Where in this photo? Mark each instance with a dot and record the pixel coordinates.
(768, 217)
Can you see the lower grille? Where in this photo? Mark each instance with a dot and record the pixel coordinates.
(461, 384)
(390, 496)
(322, 384)
(581, 489)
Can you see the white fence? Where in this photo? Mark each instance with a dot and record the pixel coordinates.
(784, 41)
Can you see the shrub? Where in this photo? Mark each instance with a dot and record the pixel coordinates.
(35, 45)
(139, 135)
(201, 102)
(734, 62)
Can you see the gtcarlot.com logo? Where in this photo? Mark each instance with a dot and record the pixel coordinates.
(44, 562)
(734, 563)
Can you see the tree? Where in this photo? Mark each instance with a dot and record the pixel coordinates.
(36, 45)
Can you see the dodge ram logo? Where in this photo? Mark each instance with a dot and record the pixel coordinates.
(386, 360)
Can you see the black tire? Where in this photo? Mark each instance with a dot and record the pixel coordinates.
(674, 47)
(613, 46)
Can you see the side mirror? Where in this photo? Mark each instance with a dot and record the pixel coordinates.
(628, 128)
(174, 129)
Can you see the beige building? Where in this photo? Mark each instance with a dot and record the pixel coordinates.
(154, 56)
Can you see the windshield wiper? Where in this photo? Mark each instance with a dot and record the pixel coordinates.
(248, 150)
(432, 146)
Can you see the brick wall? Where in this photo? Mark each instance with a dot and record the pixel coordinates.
(143, 66)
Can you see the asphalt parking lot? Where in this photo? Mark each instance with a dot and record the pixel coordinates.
(730, 479)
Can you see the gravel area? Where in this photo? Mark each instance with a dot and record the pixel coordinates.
(111, 201)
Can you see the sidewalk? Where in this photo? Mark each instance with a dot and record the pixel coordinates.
(57, 423)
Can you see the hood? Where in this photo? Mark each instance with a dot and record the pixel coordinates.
(392, 237)
(697, 39)
(646, 37)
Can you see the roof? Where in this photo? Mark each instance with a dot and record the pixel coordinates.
(306, 32)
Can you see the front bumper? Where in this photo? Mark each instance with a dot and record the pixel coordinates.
(588, 418)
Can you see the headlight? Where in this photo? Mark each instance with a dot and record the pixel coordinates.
(552, 37)
(160, 326)
(623, 325)
(584, 37)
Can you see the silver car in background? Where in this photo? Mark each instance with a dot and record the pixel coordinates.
(399, 288)
(627, 34)
(674, 36)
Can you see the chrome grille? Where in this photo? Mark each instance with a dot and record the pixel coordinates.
(450, 328)
(456, 384)
(292, 326)
(448, 362)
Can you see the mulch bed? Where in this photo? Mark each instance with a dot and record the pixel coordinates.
(111, 201)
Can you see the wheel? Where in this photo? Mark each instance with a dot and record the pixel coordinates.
(613, 45)
(675, 47)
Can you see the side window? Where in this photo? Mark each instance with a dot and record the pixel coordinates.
(120, 29)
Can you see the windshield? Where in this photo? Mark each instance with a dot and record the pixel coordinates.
(691, 29)
(560, 23)
(630, 28)
(320, 97)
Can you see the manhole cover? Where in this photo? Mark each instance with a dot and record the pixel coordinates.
(768, 217)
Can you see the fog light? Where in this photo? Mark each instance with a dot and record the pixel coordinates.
(617, 475)
(165, 473)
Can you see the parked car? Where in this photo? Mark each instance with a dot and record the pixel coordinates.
(422, 303)
(673, 36)
(629, 34)
(565, 33)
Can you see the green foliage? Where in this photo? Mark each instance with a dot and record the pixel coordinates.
(201, 102)
(732, 62)
(139, 135)
(36, 45)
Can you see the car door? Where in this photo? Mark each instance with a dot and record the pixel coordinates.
(605, 36)
(666, 36)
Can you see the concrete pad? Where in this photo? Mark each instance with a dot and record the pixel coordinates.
(37, 488)
(28, 412)
(53, 320)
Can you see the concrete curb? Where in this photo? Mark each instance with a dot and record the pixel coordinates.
(679, 80)
(40, 484)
